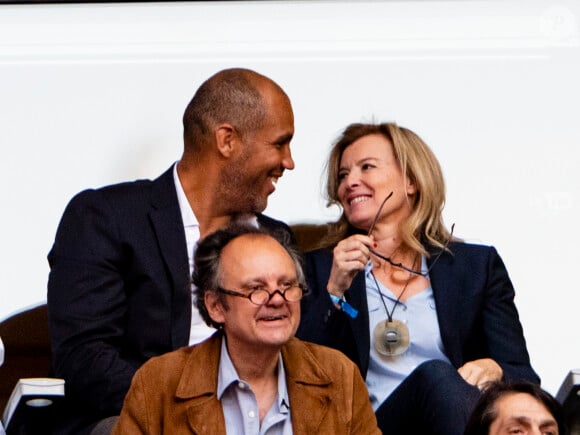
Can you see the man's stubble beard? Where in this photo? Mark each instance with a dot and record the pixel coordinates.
(241, 194)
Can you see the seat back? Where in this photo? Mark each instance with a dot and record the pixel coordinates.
(569, 396)
(27, 349)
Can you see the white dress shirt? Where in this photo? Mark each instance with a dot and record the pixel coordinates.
(199, 330)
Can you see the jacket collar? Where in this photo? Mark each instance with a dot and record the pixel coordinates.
(200, 391)
(205, 354)
(167, 224)
(357, 297)
(448, 294)
(306, 380)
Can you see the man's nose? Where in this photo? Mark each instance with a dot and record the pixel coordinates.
(276, 298)
(287, 160)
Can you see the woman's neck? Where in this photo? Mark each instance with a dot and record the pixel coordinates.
(388, 238)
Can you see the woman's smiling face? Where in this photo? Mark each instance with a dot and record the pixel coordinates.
(367, 174)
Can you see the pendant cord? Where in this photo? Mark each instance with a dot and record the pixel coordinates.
(390, 315)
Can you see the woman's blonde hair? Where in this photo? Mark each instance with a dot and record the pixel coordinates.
(418, 165)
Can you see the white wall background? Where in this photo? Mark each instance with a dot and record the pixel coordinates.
(93, 94)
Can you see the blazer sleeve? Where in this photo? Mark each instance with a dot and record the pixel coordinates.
(87, 304)
(476, 310)
(319, 316)
(321, 322)
(501, 324)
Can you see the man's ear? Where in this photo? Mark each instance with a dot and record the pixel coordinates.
(226, 138)
(214, 307)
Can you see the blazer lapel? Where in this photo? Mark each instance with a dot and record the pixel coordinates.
(305, 382)
(204, 413)
(168, 226)
(447, 293)
(356, 296)
(202, 418)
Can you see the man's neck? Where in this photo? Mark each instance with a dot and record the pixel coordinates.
(254, 364)
(208, 209)
(260, 370)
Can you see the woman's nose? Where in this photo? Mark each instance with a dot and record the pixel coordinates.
(352, 179)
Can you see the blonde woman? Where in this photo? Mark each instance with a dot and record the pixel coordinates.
(428, 319)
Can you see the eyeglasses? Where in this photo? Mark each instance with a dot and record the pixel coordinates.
(291, 293)
(401, 265)
(408, 269)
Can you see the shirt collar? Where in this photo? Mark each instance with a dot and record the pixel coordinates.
(189, 219)
(227, 375)
(283, 401)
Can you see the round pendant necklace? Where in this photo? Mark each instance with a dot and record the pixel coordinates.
(391, 336)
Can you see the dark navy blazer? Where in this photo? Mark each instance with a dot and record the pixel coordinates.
(475, 308)
(118, 290)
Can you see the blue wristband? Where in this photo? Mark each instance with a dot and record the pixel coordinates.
(344, 305)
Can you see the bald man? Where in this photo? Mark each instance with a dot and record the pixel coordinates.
(119, 289)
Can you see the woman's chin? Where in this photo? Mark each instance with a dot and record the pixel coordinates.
(359, 222)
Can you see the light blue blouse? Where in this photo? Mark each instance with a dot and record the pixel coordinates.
(418, 313)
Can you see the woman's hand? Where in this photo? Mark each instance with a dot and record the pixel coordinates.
(480, 371)
(349, 257)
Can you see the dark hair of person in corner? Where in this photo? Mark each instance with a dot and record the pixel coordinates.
(486, 411)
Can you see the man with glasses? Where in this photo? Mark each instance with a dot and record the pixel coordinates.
(252, 376)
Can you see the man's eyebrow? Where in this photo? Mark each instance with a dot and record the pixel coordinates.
(518, 419)
(526, 420)
(285, 138)
(253, 281)
(548, 424)
(264, 281)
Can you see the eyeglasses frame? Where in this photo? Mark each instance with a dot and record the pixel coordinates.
(271, 294)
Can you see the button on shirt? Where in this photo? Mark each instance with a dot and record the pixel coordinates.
(418, 313)
(240, 406)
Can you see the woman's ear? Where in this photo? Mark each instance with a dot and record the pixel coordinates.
(411, 187)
